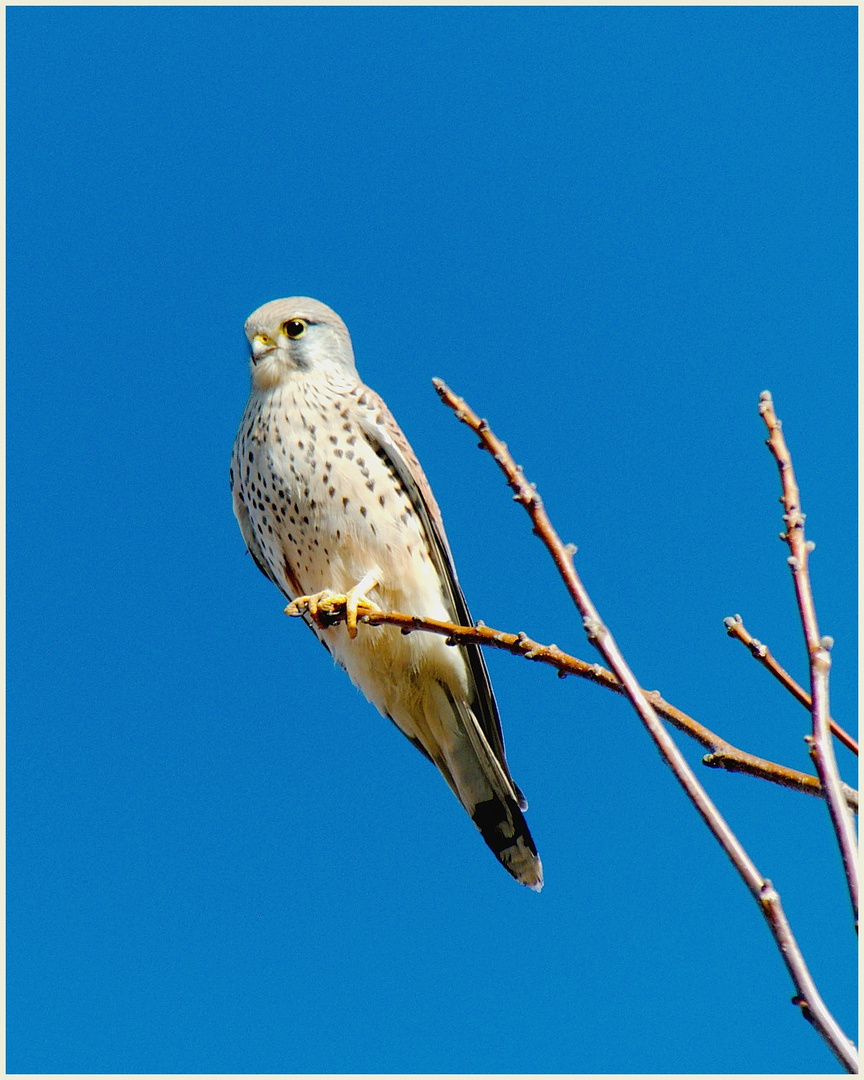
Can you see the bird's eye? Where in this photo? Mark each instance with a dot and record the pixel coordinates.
(294, 328)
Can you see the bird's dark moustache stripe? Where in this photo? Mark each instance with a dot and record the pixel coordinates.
(298, 361)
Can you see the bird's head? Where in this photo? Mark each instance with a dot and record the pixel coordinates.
(297, 334)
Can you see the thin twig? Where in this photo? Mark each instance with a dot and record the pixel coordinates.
(735, 628)
(808, 997)
(818, 649)
(723, 755)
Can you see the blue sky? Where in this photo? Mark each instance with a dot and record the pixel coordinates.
(610, 229)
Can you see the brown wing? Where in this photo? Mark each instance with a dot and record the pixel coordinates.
(385, 437)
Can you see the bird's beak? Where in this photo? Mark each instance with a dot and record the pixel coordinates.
(261, 345)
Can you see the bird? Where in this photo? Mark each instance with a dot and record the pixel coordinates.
(335, 508)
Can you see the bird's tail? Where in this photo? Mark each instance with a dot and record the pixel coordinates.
(508, 837)
(483, 785)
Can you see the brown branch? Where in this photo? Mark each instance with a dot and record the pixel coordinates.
(818, 650)
(735, 628)
(723, 755)
(808, 997)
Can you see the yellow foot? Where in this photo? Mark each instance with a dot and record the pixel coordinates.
(326, 603)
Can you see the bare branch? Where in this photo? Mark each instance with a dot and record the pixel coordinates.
(735, 628)
(723, 754)
(808, 998)
(818, 649)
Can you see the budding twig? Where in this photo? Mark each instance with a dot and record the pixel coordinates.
(808, 997)
(818, 650)
(735, 628)
(723, 755)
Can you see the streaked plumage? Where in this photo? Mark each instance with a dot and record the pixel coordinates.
(326, 490)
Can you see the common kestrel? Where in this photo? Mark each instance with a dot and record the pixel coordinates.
(330, 496)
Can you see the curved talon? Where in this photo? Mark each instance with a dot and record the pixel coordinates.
(311, 605)
(320, 605)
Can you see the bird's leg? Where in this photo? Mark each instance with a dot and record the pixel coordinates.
(325, 603)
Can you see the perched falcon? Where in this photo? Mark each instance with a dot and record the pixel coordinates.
(330, 496)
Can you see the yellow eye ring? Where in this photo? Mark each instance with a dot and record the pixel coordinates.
(294, 328)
